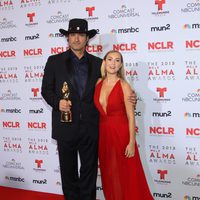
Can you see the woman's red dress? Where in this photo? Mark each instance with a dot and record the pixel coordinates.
(122, 178)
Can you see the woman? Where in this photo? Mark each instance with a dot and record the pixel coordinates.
(121, 170)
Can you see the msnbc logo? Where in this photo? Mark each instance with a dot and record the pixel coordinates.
(113, 31)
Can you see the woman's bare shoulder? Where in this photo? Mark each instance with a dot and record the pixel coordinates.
(125, 85)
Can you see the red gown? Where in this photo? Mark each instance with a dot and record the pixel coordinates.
(122, 178)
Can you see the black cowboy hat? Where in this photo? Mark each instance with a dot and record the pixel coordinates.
(78, 26)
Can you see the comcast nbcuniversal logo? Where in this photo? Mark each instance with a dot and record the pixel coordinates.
(4, 23)
(59, 17)
(123, 12)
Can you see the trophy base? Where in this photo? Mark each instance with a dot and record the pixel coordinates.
(66, 116)
(66, 121)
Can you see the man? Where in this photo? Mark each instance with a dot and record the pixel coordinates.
(80, 70)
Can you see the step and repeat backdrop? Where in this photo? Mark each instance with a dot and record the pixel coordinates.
(160, 43)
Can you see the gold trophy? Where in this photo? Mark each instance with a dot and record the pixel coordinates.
(66, 116)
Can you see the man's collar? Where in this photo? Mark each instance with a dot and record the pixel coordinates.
(73, 55)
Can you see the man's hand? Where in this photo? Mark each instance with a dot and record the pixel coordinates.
(64, 105)
(133, 99)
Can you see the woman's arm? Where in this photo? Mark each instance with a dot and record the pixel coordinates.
(130, 149)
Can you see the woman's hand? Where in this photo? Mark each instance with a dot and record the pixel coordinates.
(130, 150)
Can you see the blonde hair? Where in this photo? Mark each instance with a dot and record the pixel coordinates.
(120, 73)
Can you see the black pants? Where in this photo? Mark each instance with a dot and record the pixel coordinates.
(75, 186)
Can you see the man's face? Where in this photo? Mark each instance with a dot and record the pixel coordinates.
(77, 41)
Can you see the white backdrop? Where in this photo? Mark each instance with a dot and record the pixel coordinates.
(160, 44)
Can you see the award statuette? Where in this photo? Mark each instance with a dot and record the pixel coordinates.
(66, 116)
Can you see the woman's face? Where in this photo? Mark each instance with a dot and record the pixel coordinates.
(113, 63)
